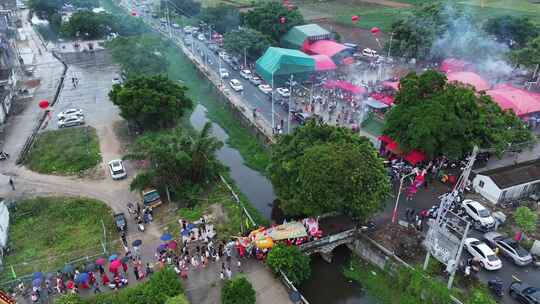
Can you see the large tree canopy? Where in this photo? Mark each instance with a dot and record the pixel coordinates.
(152, 102)
(266, 17)
(88, 25)
(528, 56)
(322, 168)
(254, 42)
(223, 17)
(512, 31)
(187, 8)
(441, 118)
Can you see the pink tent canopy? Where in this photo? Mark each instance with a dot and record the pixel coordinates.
(344, 85)
(413, 157)
(391, 84)
(470, 78)
(325, 47)
(388, 100)
(454, 65)
(520, 101)
(323, 63)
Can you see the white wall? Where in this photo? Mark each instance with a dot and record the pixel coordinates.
(489, 191)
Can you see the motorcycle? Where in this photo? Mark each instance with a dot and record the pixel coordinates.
(4, 155)
(496, 287)
(369, 226)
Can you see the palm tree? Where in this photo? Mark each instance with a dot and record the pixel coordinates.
(203, 150)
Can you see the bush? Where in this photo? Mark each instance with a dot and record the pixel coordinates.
(525, 219)
(480, 296)
(179, 299)
(69, 299)
(291, 261)
(237, 291)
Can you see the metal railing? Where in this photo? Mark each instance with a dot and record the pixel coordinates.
(328, 240)
(291, 286)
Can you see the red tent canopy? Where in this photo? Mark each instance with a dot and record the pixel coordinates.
(325, 47)
(470, 78)
(391, 84)
(323, 63)
(388, 100)
(522, 102)
(344, 85)
(454, 65)
(413, 157)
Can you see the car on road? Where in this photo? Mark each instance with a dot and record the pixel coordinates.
(509, 248)
(70, 112)
(223, 55)
(236, 85)
(70, 121)
(175, 26)
(266, 89)
(120, 222)
(284, 92)
(223, 73)
(481, 251)
(367, 52)
(150, 197)
(255, 80)
(117, 80)
(524, 293)
(117, 169)
(479, 214)
(246, 74)
(300, 117)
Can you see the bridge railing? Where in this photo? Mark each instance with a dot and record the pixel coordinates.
(328, 239)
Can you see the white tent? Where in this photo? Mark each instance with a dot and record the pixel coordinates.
(4, 225)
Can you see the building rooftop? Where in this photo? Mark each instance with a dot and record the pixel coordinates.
(521, 173)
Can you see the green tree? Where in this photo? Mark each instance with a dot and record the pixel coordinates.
(69, 299)
(266, 16)
(459, 118)
(89, 4)
(237, 291)
(152, 102)
(525, 219)
(187, 8)
(480, 296)
(510, 30)
(321, 168)
(255, 43)
(529, 56)
(291, 261)
(224, 18)
(88, 25)
(45, 8)
(179, 299)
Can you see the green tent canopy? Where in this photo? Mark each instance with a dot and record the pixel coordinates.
(298, 37)
(283, 62)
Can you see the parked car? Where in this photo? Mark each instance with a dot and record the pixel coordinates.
(117, 80)
(223, 73)
(255, 80)
(120, 222)
(70, 121)
(70, 112)
(367, 52)
(484, 253)
(117, 169)
(266, 89)
(524, 293)
(479, 214)
(236, 85)
(300, 117)
(246, 74)
(509, 248)
(284, 92)
(150, 197)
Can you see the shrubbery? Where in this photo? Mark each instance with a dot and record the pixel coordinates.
(237, 291)
(291, 261)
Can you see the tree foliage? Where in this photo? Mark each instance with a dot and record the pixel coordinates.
(528, 56)
(512, 31)
(441, 118)
(255, 43)
(177, 158)
(321, 168)
(179, 299)
(88, 25)
(291, 261)
(45, 8)
(139, 55)
(525, 219)
(265, 18)
(153, 102)
(237, 291)
(222, 17)
(480, 296)
(187, 8)
(89, 4)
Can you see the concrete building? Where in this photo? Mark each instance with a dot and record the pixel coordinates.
(10, 5)
(8, 58)
(509, 183)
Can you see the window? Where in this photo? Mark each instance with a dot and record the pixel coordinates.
(481, 184)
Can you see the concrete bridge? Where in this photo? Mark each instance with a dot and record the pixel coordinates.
(324, 246)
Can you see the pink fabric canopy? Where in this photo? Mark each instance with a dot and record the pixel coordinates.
(323, 63)
(325, 47)
(344, 85)
(470, 78)
(391, 84)
(520, 101)
(454, 65)
(389, 100)
(413, 157)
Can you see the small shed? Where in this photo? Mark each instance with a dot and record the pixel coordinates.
(300, 36)
(509, 183)
(277, 64)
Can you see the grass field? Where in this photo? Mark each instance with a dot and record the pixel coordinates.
(45, 233)
(65, 151)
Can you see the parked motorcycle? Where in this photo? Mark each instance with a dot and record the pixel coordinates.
(496, 287)
(4, 155)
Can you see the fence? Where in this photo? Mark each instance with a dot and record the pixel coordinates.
(291, 286)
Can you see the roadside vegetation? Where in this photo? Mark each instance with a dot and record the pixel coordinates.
(237, 291)
(68, 151)
(47, 232)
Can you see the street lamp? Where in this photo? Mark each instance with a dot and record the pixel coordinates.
(289, 118)
(394, 213)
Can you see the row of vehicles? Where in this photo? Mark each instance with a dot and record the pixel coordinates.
(70, 118)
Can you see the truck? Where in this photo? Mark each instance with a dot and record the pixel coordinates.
(150, 197)
(120, 222)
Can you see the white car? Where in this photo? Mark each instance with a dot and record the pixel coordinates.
(70, 121)
(284, 92)
(266, 89)
(201, 37)
(245, 74)
(116, 80)
(236, 85)
(70, 112)
(223, 73)
(484, 253)
(255, 80)
(116, 167)
(222, 55)
(369, 52)
(479, 214)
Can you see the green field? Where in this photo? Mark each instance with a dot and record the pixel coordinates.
(47, 232)
(65, 151)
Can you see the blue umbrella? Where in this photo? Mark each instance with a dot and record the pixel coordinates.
(113, 257)
(68, 269)
(37, 275)
(83, 277)
(190, 226)
(166, 237)
(184, 232)
(36, 282)
(136, 243)
(162, 248)
(295, 296)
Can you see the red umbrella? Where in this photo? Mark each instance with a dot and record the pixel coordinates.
(100, 261)
(282, 20)
(354, 18)
(43, 104)
(375, 30)
(113, 267)
(70, 284)
(172, 245)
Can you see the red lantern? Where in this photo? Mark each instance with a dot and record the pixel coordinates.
(134, 13)
(282, 20)
(375, 30)
(43, 104)
(354, 18)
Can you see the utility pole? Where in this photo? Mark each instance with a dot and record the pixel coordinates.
(273, 119)
(390, 46)
(289, 110)
(245, 59)
(458, 257)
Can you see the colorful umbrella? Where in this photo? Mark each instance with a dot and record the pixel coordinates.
(70, 284)
(113, 257)
(172, 245)
(114, 265)
(68, 269)
(161, 248)
(83, 277)
(184, 232)
(90, 267)
(37, 275)
(136, 243)
(100, 261)
(166, 237)
(36, 282)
